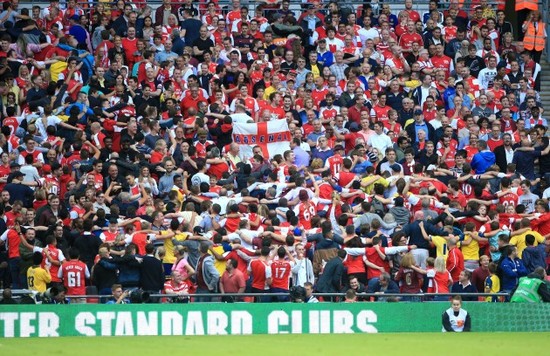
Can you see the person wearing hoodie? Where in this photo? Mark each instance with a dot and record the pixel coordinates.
(483, 159)
(223, 131)
(533, 256)
(533, 288)
(401, 214)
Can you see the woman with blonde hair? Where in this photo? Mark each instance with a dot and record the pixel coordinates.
(147, 180)
(442, 279)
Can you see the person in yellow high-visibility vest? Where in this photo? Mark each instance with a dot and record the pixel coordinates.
(534, 39)
(523, 8)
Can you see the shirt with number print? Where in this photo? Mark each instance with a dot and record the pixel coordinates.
(74, 274)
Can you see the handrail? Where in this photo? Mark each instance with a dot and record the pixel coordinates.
(545, 10)
(22, 292)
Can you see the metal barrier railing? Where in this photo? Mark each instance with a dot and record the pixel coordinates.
(421, 297)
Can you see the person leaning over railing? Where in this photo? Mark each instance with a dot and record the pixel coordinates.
(532, 288)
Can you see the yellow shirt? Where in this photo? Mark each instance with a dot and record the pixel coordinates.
(492, 285)
(519, 240)
(219, 265)
(442, 250)
(412, 84)
(15, 90)
(38, 278)
(369, 188)
(315, 70)
(169, 246)
(268, 91)
(408, 122)
(471, 251)
(180, 197)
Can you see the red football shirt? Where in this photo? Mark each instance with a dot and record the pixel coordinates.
(260, 273)
(74, 275)
(280, 272)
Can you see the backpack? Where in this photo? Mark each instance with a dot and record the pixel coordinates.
(378, 207)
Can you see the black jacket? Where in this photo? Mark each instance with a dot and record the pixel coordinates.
(20, 192)
(500, 156)
(104, 274)
(411, 131)
(88, 246)
(331, 279)
(152, 274)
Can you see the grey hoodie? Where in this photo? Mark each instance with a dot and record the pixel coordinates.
(401, 214)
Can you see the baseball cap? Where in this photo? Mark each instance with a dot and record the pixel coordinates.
(418, 112)
(198, 230)
(47, 168)
(292, 72)
(75, 18)
(354, 127)
(15, 165)
(18, 174)
(395, 167)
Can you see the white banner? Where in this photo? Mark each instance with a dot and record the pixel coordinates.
(272, 136)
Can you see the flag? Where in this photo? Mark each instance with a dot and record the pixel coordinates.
(272, 136)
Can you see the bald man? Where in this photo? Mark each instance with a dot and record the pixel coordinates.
(414, 233)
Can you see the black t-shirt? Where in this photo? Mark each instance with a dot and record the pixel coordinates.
(203, 45)
(475, 64)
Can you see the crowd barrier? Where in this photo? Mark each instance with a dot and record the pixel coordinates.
(246, 319)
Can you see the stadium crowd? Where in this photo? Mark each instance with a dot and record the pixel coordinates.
(418, 157)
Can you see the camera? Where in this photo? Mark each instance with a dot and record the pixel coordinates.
(139, 296)
(297, 294)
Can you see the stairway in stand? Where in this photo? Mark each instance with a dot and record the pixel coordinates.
(545, 86)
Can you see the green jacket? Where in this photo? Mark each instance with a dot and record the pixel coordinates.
(527, 291)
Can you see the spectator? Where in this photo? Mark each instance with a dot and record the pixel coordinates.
(480, 274)
(207, 275)
(104, 273)
(166, 152)
(464, 286)
(511, 269)
(533, 256)
(331, 280)
(310, 298)
(232, 281)
(483, 159)
(152, 272)
(119, 296)
(37, 277)
(74, 274)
